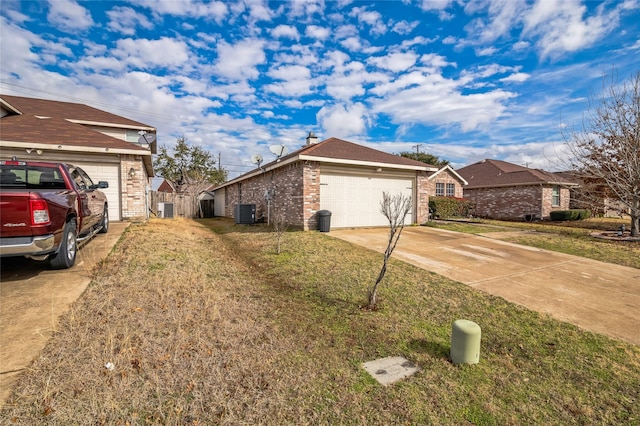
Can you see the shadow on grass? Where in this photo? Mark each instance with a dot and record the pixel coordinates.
(435, 349)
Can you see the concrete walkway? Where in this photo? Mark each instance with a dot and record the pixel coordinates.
(34, 297)
(596, 296)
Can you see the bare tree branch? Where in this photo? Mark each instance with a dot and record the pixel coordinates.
(606, 151)
(395, 208)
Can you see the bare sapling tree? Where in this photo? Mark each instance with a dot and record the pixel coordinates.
(280, 226)
(607, 148)
(395, 208)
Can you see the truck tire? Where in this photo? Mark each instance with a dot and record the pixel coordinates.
(66, 255)
(105, 221)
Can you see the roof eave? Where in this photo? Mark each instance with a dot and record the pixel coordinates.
(456, 174)
(504, 185)
(114, 125)
(71, 148)
(425, 168)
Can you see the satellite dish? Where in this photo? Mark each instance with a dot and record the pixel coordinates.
(256, 159)
(146, 140)
(279, 150)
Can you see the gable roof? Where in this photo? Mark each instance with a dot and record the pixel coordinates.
(39, 123)
(497, 173)
(451, 171)
(338, 151)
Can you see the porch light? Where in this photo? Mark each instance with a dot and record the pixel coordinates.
(132, 173)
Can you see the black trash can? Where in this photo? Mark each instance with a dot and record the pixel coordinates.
(324, 220)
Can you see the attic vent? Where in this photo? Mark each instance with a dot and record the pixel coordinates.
(42, 117)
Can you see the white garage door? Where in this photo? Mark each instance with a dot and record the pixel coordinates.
(355, 200)
(110, 173)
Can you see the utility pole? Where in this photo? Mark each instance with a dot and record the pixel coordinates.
(219, 160)
(417, 147)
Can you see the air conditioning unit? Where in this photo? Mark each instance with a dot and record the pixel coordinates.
(165, 210)
(245, 214)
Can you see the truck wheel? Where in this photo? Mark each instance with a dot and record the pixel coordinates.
(105, 221)
(66, 256)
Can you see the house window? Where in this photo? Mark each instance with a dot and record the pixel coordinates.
(555, 196)
(132, 136)
(439, 189)
(451, 190)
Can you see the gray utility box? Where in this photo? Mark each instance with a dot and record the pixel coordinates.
(165, 210)
(245, 214)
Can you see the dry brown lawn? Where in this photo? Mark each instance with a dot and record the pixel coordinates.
(210, 327)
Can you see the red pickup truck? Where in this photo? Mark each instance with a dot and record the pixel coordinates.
(47, 209)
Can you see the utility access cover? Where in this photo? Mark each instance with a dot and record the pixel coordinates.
(391, 369)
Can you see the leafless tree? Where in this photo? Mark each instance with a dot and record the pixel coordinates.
(607, 148)
(280, 226)
(395, 208)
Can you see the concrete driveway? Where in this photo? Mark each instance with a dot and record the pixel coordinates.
(33, 298)
(596, 296)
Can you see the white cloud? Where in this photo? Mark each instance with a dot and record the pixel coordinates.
(319, 33)
(352, 43)
(147, 54)
(437, 5)
(560, 27)
(518, 77)
(343, 121)
(238, 61)
(126, 21)
(487, 51)
(395, 61)
(373, 19)
(404, 27)
(286, 31)
(436, 61)
(295, 80)
(69, 16)
(434, 100)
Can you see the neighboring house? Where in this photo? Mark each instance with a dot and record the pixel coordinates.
(342, 177)
(593, 196)
(166, 186)
(103, 144)
(502, 190)
(446, 182)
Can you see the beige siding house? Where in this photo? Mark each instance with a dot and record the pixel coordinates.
(105, 145)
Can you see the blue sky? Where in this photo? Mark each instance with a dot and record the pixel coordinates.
(465, 80)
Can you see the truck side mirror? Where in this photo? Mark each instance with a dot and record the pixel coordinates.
(103, 184)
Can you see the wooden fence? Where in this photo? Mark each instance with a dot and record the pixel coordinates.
(184, 205)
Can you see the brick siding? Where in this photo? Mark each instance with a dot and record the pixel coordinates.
(296, 189)
(515, 202)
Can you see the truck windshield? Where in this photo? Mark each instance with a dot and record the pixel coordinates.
(30, 177)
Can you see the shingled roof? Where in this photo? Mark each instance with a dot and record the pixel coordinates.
(41, 121)
(338, 151)
(494, 173)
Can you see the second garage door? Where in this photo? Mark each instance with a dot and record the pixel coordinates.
(354, 200)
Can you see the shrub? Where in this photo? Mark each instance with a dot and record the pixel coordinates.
(450, 207)
(575, 214)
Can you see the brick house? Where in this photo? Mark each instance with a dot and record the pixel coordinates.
(105, 145)
(446, 182)
(336, 175)
(502, 190)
